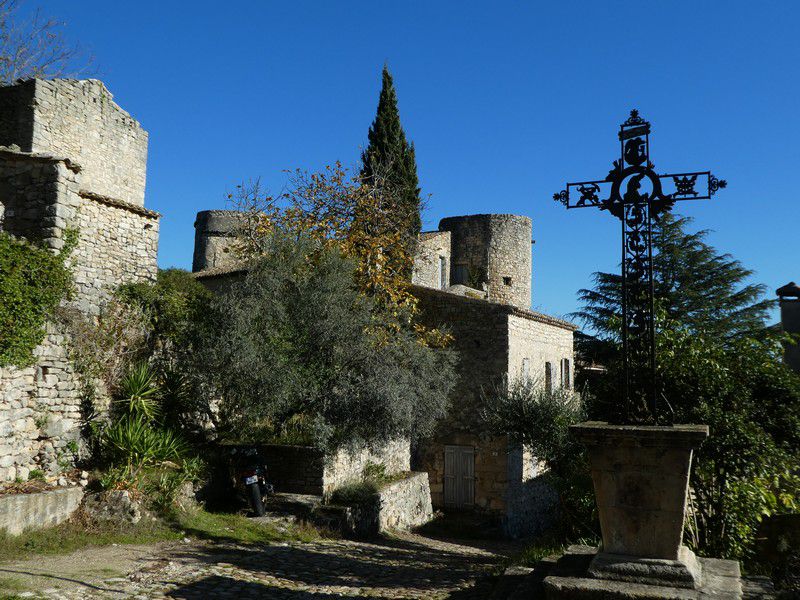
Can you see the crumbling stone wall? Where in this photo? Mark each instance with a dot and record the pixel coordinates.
(42, 195)
(78, 119)
(433, 247)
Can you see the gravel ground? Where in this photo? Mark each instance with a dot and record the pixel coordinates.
(404, 566)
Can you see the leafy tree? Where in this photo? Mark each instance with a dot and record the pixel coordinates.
(343, 213)
(295, 340)
(697, 286)
(173, 305)
(34, 47)
(390, 160)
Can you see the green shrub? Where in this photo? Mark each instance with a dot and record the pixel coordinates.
(36, 474)
(134, 440)
(539, 419)
(354, 494)
(33, 282)
(138, 392)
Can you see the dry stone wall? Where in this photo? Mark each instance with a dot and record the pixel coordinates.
(77, 147)
(347, 465)
(23, 512)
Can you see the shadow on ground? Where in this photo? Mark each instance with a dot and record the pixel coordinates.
(391, 568)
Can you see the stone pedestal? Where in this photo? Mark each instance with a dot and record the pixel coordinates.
(572, 578)
(641, 479)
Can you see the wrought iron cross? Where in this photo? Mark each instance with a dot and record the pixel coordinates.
(634, 193)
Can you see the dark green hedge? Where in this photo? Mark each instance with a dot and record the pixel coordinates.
(33, 281)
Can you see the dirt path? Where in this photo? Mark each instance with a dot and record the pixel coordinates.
(405, 566)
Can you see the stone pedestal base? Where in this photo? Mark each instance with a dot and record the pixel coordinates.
(582, 573)
(685, 572)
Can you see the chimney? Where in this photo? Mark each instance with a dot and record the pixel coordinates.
(789, 299)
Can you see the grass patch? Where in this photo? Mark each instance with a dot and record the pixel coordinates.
(74, 535)
(10, 584)
(538, 549)
(77, 534)
(238, 528)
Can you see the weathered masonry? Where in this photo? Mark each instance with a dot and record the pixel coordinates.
(70, 158)
(474, 277)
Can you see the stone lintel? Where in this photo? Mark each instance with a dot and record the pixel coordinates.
(599, 432)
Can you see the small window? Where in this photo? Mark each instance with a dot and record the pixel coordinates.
(548, 376)
(566, 379)
(526, 369)
(443, 272)
(506, 280)
(460, 274)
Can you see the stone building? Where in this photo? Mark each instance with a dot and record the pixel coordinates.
(789, 300)
(70, 158)
(473, 276)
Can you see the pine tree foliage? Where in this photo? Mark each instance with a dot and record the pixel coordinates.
(697, 287)
(390, 158)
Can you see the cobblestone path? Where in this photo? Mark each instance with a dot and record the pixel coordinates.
(406, 566)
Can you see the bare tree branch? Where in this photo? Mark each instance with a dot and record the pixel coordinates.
(36, 47)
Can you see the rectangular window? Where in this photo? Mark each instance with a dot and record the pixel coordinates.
(460, 274)
(443, 272)
(566, 377)
(548, 376)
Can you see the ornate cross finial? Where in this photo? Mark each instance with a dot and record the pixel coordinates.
(637, 195)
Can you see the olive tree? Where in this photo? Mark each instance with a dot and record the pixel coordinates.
(296, 342)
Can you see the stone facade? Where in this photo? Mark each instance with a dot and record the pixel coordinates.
(432, 260)
(72, 160)
(493, 341)
(78, 119)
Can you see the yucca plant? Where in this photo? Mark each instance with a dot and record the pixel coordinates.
(133, 439)
(138, 391)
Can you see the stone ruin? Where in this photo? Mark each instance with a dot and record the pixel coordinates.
(70, 158)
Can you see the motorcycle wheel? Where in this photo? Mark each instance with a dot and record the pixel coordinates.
(254, 494)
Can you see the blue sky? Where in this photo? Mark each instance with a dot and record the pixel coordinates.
(505, 101)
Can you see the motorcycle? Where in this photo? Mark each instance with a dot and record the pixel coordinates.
(251, 475)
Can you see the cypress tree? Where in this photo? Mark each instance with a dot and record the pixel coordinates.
(389, 160)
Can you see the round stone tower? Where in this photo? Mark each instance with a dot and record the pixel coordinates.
(492, 251)
(214, 233)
